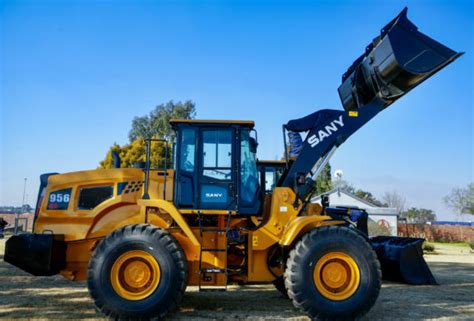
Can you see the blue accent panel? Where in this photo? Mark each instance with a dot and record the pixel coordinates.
(356, 214)
(121, 187)
(185, 191)
(213, 194)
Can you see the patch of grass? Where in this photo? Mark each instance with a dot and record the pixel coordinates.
(455, 244)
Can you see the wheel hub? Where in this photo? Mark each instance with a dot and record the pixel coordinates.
(135, 275)
(336, 276)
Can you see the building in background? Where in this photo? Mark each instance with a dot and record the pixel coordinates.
(384, 216)
(24, 215)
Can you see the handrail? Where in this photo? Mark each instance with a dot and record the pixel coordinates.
(147, 169)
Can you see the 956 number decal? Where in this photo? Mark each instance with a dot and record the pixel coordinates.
(59, 200)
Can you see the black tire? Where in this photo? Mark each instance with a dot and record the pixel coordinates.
(279, 284)
(165, 250)
(301, 264)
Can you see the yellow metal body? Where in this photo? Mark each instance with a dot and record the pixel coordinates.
(336, 276)
(279, 226)
(135, 275)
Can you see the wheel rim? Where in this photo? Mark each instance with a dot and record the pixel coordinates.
(336, 276)
(135, 275)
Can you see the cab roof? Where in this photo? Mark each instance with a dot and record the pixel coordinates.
(245, 123)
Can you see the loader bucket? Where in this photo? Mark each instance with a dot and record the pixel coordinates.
(401, 259)
(396, 61)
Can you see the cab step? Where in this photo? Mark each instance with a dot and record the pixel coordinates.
(213, 289)
(212, 270)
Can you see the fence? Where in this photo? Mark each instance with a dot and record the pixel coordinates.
(440, 233)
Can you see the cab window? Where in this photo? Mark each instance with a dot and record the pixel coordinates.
(188, 147)
(248, 168)
(217, 154)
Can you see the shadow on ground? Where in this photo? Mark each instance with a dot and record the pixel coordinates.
(25, 296)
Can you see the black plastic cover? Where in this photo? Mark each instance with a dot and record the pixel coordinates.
(38, 254)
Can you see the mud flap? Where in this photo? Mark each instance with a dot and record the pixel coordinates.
(402, 260)
(396, 61)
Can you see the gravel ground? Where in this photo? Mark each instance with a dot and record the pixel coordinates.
(25, 296)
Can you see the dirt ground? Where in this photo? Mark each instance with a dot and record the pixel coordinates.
(25, 296)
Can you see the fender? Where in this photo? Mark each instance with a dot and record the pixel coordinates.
(175, 214)
(303, 224)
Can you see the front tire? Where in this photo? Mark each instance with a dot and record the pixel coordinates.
(137, 272)
(333, 273)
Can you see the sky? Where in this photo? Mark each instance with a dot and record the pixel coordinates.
(73, 74)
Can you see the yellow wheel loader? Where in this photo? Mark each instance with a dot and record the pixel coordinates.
(217, 216)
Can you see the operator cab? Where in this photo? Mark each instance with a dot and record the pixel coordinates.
(216, 167)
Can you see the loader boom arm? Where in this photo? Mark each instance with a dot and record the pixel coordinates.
(395, 62)
(330, 129)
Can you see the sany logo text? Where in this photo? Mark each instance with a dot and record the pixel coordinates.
(213, 194)
(315, 139)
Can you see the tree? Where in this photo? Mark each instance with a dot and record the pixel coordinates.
(376, 229)
(419, 215)
(461, 199)
(367, 196)
(345, 186)
(324, 182)
(135, 152)
(394, 199)
(360, 193)
(156, 123)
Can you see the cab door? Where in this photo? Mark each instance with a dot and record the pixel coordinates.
(216, 175)
(186, 169)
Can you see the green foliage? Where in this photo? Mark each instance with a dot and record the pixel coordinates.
(136, 152)
(360, 193)
(471, 243)
(419, 215)
(367, 196)
(428, 247)
(461, 199)
(156, 123)
(324, 182)
(376, 229)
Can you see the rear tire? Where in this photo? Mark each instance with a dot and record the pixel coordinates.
(279, 284)
(333, 273)
(137, 272)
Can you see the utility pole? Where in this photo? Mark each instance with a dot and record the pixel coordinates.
(17, 219)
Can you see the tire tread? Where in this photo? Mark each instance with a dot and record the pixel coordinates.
(158, 235)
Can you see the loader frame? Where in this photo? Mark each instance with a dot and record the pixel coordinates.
(210, 220)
